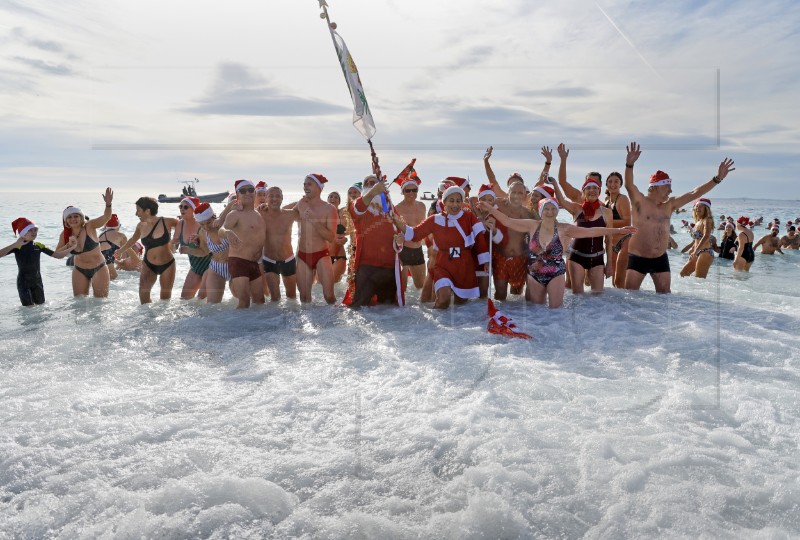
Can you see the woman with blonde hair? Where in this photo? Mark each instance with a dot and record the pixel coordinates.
(701, 254)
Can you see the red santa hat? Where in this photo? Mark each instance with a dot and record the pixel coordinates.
(660, 178)
(705, 202)
(729, 224)
(486, 189)
(548, 192)
(203, 212)
(138, 247)
(412, 180)
(112, 223)
(191, 201)
(452, 190)
(463, 183)
(239, 184)
(318, 178)
(261, 186)
(71, 210)
(743, 220)
(21, 226)
(591, 181)
(444, 184)
(548, 200)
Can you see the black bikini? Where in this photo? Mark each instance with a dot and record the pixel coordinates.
(614, 213)
(89, 244)
(149, 242)
(108, 253)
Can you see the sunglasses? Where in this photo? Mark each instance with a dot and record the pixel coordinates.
(247, 190)
(184, 207)
(410, 190)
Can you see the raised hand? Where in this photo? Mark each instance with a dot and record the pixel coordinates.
(547, 153)
(563, 151)
(488, 154)
(634, 151)
(725, 167)
(108, 196)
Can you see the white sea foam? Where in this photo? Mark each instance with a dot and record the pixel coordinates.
(628, 415)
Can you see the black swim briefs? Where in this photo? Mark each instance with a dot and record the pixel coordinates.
(645, 265)
(412, 256)
(283, 268)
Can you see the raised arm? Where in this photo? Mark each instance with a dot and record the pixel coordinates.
(634, 151)
(99, 221)
(570, 191)
(571, 207)
(497, 188)
(725, 167)
(547, 152)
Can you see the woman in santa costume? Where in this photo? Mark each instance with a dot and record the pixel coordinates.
(456, 234)
(498, 231)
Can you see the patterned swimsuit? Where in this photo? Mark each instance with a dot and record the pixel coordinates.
(546, 263)
(220, 267)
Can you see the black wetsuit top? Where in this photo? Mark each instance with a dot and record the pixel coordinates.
(27, 257)
(725, 247)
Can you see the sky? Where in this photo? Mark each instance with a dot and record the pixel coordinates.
(141, 95)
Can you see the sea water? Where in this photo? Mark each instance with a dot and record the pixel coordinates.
(629, 414)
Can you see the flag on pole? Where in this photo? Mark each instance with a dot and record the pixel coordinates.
(408, 174)
(362, 116)
(500, 323)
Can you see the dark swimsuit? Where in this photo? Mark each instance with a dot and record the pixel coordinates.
(545, 264)
(725, 247)
(614, 213)
(747, 252)
(149, 242)
(588, 252)
(89, 244)
(198, 265)
(108, 253)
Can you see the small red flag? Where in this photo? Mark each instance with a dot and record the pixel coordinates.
(500, 323)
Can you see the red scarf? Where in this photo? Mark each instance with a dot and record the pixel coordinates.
(589, 208)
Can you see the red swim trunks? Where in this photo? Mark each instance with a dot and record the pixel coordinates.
(311, 259)
(243, 268)
(511, 269)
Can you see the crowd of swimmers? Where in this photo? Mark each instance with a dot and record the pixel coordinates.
(510, 232)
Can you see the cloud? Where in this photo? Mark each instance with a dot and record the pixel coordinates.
(558, 92)
(45, 67)
(41, 44)
(239, 91)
